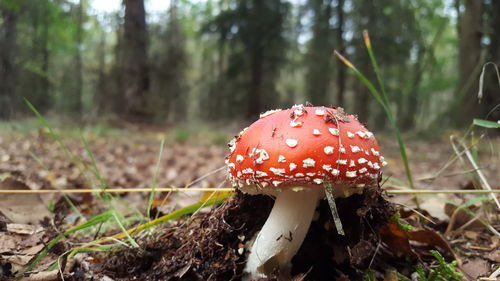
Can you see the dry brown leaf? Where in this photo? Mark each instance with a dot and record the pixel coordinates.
(494, 256)
(33, 250)
(18, 259)
(401, 242)
(476, 267)
(430, 237)
(389, 276)
(45, 276)
(397, 240)
(435, 207)
(459, 217)
(21, 208)
(8, 243)
(26, 229)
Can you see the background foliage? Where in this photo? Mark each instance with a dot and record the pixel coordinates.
(232, 59)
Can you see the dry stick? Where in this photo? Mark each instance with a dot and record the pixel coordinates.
(495, 274)
(460, 173)
(457, 155)
(444, 191)
(333, 208)
(113, 190)
(480, 174)
(226, 189)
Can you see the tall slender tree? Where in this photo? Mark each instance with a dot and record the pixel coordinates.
(254, 29)
(76, 99)
(469, 61)
(319, 58)
(136, 79)
(491, 93)
(340, 44)
(8, 35)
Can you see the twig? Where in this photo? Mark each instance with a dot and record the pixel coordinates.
(226, 189)
(479, 173)
(333, 208)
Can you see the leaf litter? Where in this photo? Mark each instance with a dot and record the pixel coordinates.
(212, 240)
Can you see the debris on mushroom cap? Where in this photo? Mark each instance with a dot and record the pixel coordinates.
(286, 148)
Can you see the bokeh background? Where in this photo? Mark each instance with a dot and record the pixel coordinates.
(177, 62)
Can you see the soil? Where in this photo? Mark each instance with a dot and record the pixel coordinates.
(206, 248)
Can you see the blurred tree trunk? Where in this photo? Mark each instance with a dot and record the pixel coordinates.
(100, 91)
(76, 102)
(8, 37)
(37, 73)
(469, 62)
(320, 53)
(262, 38)
(43, 101)
(362, 96)
(491, 92)
(135, 61)
(256, 65)
(217, 94)
(341, 69)
(175, 66)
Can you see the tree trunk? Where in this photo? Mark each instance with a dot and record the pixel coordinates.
(44, 99)
(76, 102)
(341, 69)
(491, 96)
(362, 96)
(8, 37)
(135, 62)
(100, 91)
(254, 103)
(412, 102)
(469, 62)
(320, 54)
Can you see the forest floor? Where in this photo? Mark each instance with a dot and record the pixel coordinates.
(31, 159)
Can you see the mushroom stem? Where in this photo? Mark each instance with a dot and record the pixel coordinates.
(283, 233)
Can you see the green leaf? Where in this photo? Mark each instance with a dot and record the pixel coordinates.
(486, 124)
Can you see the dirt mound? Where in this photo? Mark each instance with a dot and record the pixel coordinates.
(212, 246)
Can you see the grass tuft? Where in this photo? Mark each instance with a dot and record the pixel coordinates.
(381, 97)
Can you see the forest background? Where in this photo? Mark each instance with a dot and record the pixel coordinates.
(202, 61)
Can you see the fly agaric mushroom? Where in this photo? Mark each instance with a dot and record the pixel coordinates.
(290, 154)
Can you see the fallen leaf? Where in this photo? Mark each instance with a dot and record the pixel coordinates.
(26, 229)
(459, 217)
(430, 237)
(397, 240)
(476, 267)
(44, 276)
(435, 207)
(33, 250)
(390, 276)
(8, 243)
(494, 256)
(472, 235)
(401, 242)
(18, 259)
(21, 208)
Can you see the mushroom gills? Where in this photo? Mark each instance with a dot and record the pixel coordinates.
(283, 233)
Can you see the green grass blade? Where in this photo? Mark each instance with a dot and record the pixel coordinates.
(124, 230)
(78, 163)
(376, 68)
(177, 214)
(402, 147)
(92, 222)
(155, 179)
(383, 100)
(96, 172)
(486, 124)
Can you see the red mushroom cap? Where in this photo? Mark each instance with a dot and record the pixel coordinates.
(304, 146)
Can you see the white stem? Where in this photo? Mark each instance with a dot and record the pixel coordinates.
(283, 233)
